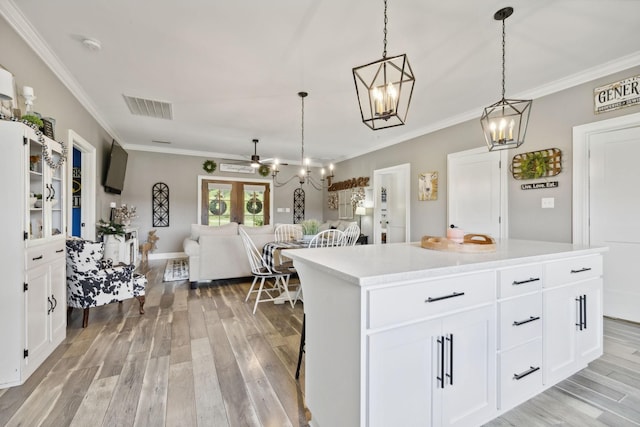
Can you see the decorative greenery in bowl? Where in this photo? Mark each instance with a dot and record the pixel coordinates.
(33, 119)
(110, 227)
(310, 227)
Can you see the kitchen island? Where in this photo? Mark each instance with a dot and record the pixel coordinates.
(398, 335)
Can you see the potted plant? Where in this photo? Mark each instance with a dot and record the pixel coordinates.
(112, 235)
(309, 228)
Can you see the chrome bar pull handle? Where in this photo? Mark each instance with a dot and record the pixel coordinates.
(584, 303)
(450, 374)
(522, 282)
(453, 295)
(522, 322)
(440, 378)
(581, 270)
(529, 371)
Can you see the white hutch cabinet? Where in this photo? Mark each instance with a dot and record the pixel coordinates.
(33, 292)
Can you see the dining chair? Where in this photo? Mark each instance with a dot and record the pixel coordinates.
(288, 233)
(327, 238)
(351, 234)
(260, 270)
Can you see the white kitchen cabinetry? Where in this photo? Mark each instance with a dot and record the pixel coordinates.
(447, 361)
(400, 335)
(572, 301)
(33, 294)
(519, 334)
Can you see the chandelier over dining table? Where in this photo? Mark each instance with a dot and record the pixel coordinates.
(305, 175)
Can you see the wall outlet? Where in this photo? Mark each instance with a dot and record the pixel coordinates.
(280, 210)
(548, 202)
(287, 209)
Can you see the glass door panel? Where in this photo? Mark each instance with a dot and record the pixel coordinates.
(56, 193)
(234, 201)
(36, 190)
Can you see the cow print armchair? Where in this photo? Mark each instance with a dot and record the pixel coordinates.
(92, 281)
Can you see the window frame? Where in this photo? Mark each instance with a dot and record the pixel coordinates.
(203, 180)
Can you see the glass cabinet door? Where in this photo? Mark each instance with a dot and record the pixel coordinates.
(46, 189)
(56, 191)
(36, 183)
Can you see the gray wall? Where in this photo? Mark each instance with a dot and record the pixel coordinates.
(54, 100)
(180, 173)
(551, 125)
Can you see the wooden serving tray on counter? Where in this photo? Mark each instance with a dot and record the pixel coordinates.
(473, 243)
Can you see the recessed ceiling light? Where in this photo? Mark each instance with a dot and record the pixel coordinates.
(92, 44)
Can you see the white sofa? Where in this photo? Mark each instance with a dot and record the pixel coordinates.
(339, 224)
(218, 253)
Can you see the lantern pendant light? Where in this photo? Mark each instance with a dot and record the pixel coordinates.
(504, 123)
(384, 88)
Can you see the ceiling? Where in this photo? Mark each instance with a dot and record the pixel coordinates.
(232, 69)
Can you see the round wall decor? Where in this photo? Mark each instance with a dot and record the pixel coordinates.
(254, 206)
(218, 207)
(209, 166)
(264, 170)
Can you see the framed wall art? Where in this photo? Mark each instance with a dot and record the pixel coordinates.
(428, 186)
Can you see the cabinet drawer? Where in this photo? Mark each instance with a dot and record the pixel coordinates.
(42, 254)
(519, 280)
(520, 320)
(572, 270)
(429, 298)
(519, 379)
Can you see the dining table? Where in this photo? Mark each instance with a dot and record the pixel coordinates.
(271, 251)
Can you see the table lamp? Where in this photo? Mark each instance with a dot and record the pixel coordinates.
(360, 211)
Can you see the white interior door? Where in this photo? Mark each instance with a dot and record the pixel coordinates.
(475, 200)
(392, 210)
(614, 203)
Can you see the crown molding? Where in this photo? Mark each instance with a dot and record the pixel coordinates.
(588, 75)
(23, 27)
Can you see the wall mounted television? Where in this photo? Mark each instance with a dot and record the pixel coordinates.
(116, 169)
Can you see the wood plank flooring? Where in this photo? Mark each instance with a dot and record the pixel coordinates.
(201, 358)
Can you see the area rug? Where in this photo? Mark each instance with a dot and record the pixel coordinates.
(176, 269)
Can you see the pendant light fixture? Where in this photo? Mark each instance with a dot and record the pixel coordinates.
(304, 176)
(384, 88)
(505, 123)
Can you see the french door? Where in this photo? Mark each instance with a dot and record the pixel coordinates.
(234, 201)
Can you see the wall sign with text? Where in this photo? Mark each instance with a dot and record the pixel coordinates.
(614, 96)
(539, 185)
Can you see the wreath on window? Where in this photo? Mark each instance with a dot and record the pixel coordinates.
(264, 170)
(209, 166)
(217, 207)
(254, 206)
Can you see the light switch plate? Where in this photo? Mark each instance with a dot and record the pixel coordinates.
(548, 202)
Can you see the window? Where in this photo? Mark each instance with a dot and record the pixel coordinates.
(234, 201)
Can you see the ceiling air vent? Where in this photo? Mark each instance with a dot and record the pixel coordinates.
(149, 107)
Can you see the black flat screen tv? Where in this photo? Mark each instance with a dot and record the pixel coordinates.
(116, 169)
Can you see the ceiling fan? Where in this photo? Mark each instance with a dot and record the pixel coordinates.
(254, 161)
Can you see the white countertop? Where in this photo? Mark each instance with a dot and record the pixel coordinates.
(368, 265)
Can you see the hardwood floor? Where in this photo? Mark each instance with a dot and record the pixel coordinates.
(200, 358)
